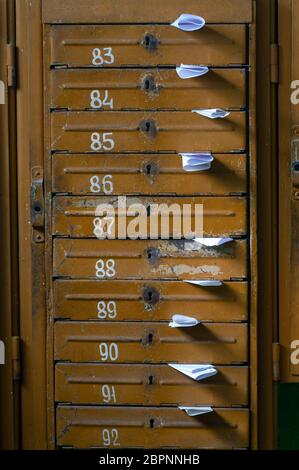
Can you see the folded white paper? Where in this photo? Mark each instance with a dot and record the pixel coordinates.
(196, 371)
(187, 22)
(214, 113)
(196, 410)
(182, 321)
(210, 242)
(206, 283)
(191, 71)
(197, 161)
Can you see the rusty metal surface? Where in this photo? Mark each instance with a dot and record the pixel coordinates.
(219, 343)
(90, 11)
(147, 45)
(148, 174)
(137, 131)
(148, 259)
(75, 216)
(148, 385)
(148, 301)
(147, 89)
(83, 427)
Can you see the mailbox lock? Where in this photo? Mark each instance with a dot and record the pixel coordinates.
(150, 169)
(151, 295)
(149, 83)
(148, 127)
(150, 42)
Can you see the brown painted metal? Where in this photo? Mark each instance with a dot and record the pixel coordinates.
(148, 89)
(147, 45)
(148, 174)
(9, 321)
(150, 259)
(219, 343)
(149, 301)
(33, 319)
(83, 427)
(148, 385)
(89, 11)
(75, 216)
(137, 131)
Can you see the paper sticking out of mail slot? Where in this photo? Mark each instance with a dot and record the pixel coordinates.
(200, 161)
(191, 71)
(206, 283)
(213, 242)
(182, 321)
(213, 113)
(196, 410)
(196, 372)
(188, 22)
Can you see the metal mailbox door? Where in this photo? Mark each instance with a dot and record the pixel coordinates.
(118, 120)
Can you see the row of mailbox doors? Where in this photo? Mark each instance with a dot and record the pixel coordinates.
(119, 130)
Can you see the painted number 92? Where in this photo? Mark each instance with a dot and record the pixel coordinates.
(110, 437)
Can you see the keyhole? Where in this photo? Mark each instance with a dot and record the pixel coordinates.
(150, 338)
(37, 208)
(151, 295)
(150, 42)
(150, 380)
(152, 423)
(147, 84)
(148, 169)
(148, 211)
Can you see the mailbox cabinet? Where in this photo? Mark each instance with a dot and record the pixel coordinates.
(116, 123)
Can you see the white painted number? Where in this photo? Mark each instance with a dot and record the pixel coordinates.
(102, 141)
(105, 268)
(99, 225)
(110, 437)
(105, 185)
(102, 56)
(96, 102)
(108, 352)
(108, 394)
(107, 309)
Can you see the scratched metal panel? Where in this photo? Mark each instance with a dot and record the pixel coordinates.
(146, 45)
(148, 259)
(146, 89)
(146, 174)
(122, 427)
(157, 11)
(148, 301)
(75, 216)
(136, 131)
(218, 343)
(148, 385)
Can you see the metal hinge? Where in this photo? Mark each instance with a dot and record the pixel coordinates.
(37, 204)
(16, 358)
(276, 361)
(274, 63)
(11, 65)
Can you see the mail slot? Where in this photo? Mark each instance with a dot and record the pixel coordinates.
(137, 131)
(146, 45)
(121, 427)
(149, 301)
(81, 217)
(148, 259)
(146, 89)
(222, 343)
(88, 11)
(146, 174)
(148, 385)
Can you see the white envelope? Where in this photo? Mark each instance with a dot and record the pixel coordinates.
(191, 71)
(213, 113)
(200, 161)
(187, 22)
(196, 410)
(182, 321)
(196, 372)
(210, 242)
(206, 283)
